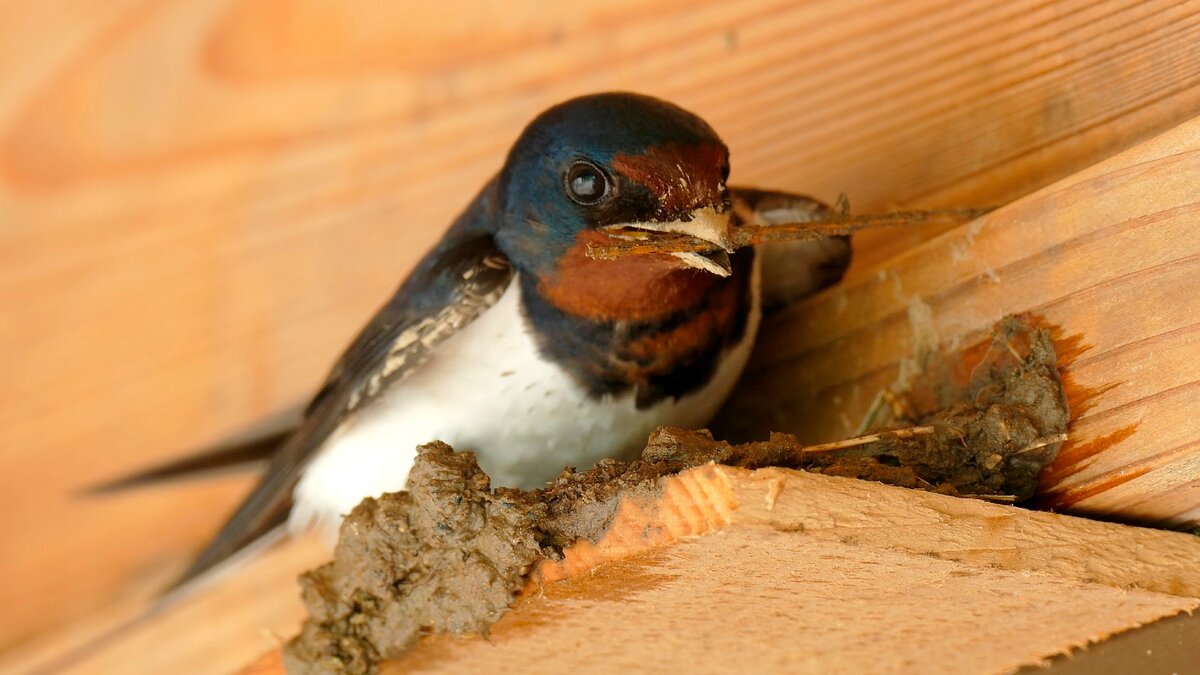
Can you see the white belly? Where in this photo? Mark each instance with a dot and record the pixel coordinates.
(488, 391)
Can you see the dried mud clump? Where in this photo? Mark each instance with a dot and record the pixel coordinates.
(989, 435)
(450, 554)
(997, 419)
(446, 555)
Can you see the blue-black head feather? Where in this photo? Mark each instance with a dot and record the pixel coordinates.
(659, 160)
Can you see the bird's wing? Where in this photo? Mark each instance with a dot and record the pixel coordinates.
(454, 284)
(793, 269)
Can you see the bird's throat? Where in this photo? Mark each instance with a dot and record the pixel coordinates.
(633, 288)
(639, 324)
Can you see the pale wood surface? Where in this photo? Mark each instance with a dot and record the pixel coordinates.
(826, 508)
(200, 201)
(1108, 257)
(811, 573)
(252, 608)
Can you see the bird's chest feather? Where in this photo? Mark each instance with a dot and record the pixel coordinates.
(531, 390)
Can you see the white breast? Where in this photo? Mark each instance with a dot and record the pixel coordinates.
(487, 390)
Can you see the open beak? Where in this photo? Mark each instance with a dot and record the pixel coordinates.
(703, 223)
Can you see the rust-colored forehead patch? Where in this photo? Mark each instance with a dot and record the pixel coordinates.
(683, 177)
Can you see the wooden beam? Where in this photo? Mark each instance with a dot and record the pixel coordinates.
(252, 608)
(1108, 257)
(822, 574)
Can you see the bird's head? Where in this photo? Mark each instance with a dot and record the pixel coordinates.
(608, 161)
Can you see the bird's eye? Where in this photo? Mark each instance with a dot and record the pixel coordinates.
(587, 184)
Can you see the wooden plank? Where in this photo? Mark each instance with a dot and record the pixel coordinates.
(252, 608)
(1108, 257)
(183, 183)
(715, 498)
(825, 574)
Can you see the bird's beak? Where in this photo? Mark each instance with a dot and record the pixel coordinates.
(704, 223)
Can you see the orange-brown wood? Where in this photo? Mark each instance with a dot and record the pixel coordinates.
(201, 201)
(1108, 258)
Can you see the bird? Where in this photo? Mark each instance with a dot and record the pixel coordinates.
(507, 339)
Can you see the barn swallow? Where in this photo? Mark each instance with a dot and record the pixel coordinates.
(507, 339)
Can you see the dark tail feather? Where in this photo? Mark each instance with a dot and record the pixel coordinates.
(218, 460)
(226, 550)
(268, 504)
(265, 509)
(247, 449)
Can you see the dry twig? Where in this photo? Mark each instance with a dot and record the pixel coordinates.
(998, 499)
(907, 432)
(630, 241)
(1043, 442)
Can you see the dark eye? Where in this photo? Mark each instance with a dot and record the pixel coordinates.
(587, 184)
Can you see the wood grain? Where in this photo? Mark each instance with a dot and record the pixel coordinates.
(201, 201)
(714, 498)
(251, 608)
(821, 574)
(1108, 258)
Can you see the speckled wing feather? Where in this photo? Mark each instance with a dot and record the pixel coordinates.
(460, 279)
(433, 304)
